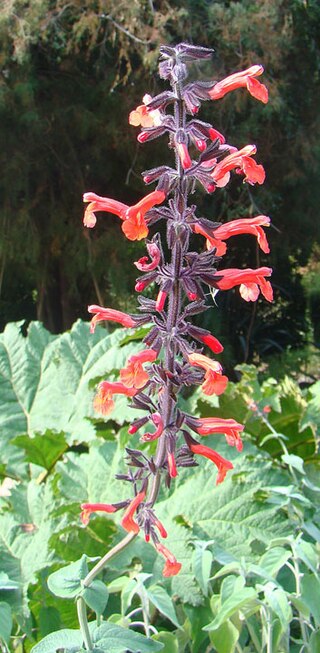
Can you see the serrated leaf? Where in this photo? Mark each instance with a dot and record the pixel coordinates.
(44, 450)
(163, 602)
(40, 372)
(5, 621)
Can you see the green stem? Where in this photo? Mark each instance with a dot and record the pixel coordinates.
(81, 605)
(297, 576)
(83, 622)
(102, 563)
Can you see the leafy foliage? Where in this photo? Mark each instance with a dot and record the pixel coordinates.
(240, 580)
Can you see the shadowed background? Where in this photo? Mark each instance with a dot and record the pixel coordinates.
(70, 75)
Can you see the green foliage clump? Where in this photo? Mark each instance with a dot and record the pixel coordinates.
(248, 546)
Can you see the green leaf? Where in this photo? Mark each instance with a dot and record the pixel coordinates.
(231, 585)
(278, 601)
(96, 596)
(273, 559)
(49, 619)
(5, 621)
(118, 584)
(169, 641)
(307, 552)
(66, 582)
(45, 385)
(162, 601)
(6, 583)
(310, 594)
(293, 461)
(127, 594)
(245, 597)
(197, 618)
(44, 450)
(66, 639)
(114, 639)
(315, 642)
(201, 565)
(225, 637)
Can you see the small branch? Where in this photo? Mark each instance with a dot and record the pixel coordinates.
(124, 30)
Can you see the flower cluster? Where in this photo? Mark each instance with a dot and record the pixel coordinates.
(172, 355)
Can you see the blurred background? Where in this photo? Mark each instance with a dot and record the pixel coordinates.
(70, 74)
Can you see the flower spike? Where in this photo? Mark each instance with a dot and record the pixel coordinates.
(172, 356)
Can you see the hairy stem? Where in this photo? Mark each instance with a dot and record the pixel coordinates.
(102, 563)
(83, 622)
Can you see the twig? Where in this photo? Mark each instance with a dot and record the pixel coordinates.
(124, 30)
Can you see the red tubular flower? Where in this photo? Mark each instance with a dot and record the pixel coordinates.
(172, 468)
(200, 144)
(133, 375)
(206, 338)
(134, 225)
(251, 282)
(234, 228)
(172, 567)
(88, 508)
(184, 155)
(244, 78)
(213, 133)
(214, 381)
(101, 314)
(158, 422)
(229, 427)
(241, 162)
(221, 463)
(161, 300)
(103, 402)
(155, 256)
(127, 521)
(160, 528)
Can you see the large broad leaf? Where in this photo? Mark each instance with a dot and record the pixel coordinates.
(47, 383)
(107, 637)
(25, 534)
